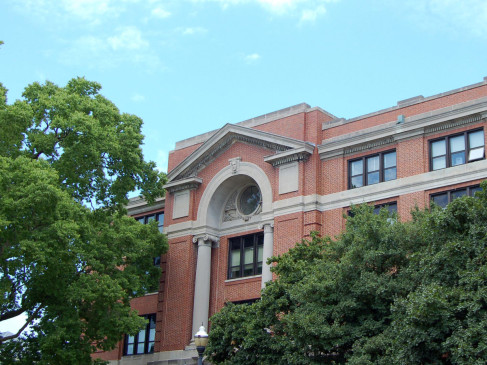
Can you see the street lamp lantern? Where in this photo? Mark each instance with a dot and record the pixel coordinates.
(201, 340)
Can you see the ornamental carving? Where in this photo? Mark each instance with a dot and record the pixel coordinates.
(234, 209)
(222, 146)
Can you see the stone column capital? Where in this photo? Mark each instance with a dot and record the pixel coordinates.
(267, 226)
(206, 237)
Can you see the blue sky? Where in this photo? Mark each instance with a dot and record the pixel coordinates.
(190, 66)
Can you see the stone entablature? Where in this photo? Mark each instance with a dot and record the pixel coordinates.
(446, 118)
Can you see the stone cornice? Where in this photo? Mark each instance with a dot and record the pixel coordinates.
(391, 132)
(366, 194)
(184, 184)
(296, 154)
(138, 205)
(221, 141)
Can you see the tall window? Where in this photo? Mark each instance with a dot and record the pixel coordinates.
(372, 169)
(159, 218)
(442, 199)
(245, 255)
(457, 149)
(142, 342)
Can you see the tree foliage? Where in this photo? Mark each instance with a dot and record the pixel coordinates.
(70, 258)
(383, 292)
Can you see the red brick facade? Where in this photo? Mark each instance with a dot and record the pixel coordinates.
(202, 168)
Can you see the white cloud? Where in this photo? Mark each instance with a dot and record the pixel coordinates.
(192, 30)
(251, 58)
(88, 9)
(450, 15)
(310, 15)
(137, 98)
(310, 8)
(128, 38)
(90, 12)
(160, 12)
(106, 52)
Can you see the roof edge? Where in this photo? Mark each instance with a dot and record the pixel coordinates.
(249, 123)
(403, 103)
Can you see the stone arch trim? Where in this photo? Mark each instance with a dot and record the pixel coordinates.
(245, 168)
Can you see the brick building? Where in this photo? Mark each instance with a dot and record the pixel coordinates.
(240, 194)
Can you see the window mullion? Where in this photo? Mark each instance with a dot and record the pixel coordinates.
(448, 153)
(381, 167)
(146, 342)
(364, 172)
(256, 255)
(242, 256)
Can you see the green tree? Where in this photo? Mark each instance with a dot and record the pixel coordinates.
(383, 292)
(70, 258)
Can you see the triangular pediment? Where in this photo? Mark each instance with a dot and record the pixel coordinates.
(223, 139)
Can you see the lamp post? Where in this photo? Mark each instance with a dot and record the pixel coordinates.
(201, 340)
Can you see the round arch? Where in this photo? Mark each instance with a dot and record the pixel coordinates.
(218, 189)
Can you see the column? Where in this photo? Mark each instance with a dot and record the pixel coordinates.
(201, 302)
(268, 252)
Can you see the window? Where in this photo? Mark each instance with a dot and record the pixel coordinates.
(159, 217)
(457, 149)
(245, 302)
(442, 199)
(390, 206)
(373, 169)
(142, 342)
(245, 255)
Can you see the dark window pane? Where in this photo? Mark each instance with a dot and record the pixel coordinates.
(441, 199)
(458, 193)
(457, 158)
(248, 270)
(439, 163)
(235, 272)
(474, 190)
(438, 148)
(356, 168)
(389, 160)
(150, 348)
(259, 268)
(357, 182)
(373, 178)
(160, 221)
(390, 174)
(476, 139)
(392, 207)
(457, 143)
(373, 164)
(235, 258)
